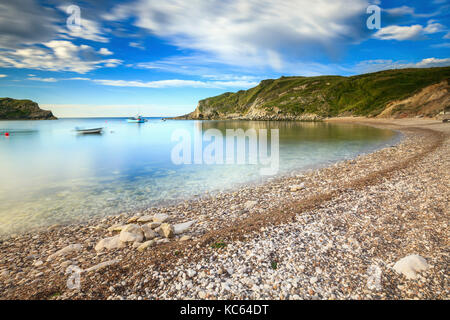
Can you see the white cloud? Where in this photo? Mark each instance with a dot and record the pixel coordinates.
(400, 33)
(400, 11)
(414, 32)
(56, 55)
(176, 83)
(43, 79)
(28, 30)
(250, 32)
(89, 30)
(79, 78)
(433, 27)
(3, 75)
(378, 65)
(447, 36)
(214, 81)
(105, 52)
(406, 10)
(136, 45)
(433, 62)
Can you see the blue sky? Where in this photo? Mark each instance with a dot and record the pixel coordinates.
(161, 57)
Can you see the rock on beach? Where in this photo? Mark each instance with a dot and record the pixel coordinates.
(66, 250)
(149, 234)
(410, 265)
(144, 246)
(110, 243)
(161, 218)
(182, 227)
(131, 233)
(101, 265)
(166, 230)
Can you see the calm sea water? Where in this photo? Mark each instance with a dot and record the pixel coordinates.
(49, 174)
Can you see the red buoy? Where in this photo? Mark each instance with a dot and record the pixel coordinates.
(6, 134)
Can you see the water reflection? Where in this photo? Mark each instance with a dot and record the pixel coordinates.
(302, 131)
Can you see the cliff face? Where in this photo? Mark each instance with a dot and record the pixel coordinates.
(12, 109)
(428, 102)
(391, 93)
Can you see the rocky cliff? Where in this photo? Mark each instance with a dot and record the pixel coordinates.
(391, 93)
(12, 109)
(428, 102)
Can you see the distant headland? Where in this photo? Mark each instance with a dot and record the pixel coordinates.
(12, 109)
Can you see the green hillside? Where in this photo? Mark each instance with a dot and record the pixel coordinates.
(324, 96)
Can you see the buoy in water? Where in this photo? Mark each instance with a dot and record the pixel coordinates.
(6, 134)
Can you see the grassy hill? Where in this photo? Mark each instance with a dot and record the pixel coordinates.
(328, 96)
(12, 109)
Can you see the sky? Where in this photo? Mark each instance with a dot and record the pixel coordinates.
(108, 58)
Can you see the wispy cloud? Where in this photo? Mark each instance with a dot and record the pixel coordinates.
(378, 65)
(43, 79)
(216, 81)
(136, 45)
(400, 11)
(177, 83)
(3, 75)
(406, 10)
(79, 79)
(198, 64)
(413, 32)
(248, 32)
(56, 55)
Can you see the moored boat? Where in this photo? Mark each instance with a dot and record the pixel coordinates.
(89, 131)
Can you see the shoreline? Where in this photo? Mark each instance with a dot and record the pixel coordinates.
(226, 218)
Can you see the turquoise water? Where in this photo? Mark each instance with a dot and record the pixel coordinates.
(49, 174)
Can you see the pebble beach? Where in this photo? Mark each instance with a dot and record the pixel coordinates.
(374, 227)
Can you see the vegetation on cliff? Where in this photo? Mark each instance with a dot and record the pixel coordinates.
(12, 109)
(325, 96)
